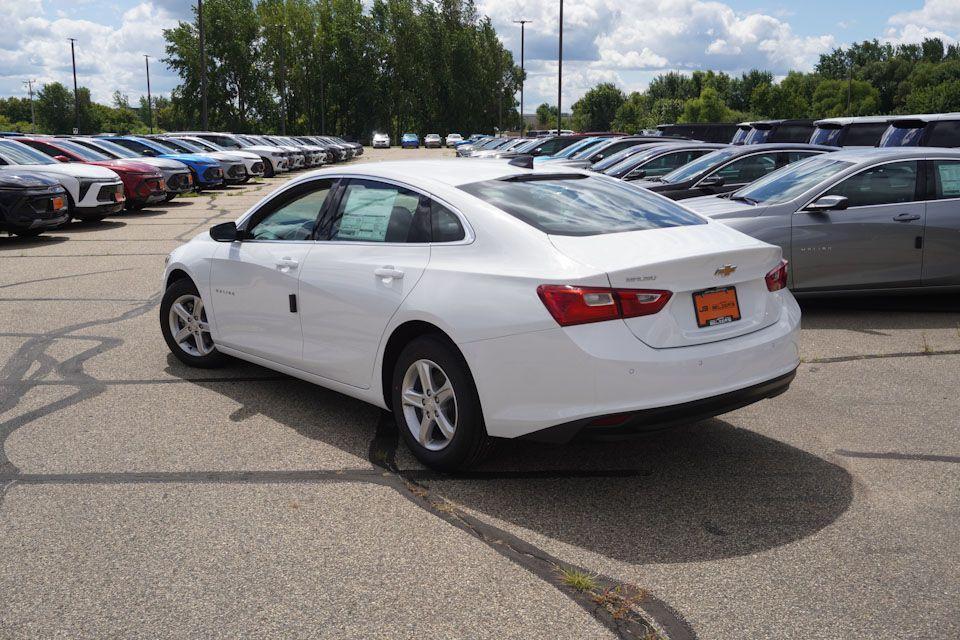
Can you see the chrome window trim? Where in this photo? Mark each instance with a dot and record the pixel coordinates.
(468, 233)
(803, 208)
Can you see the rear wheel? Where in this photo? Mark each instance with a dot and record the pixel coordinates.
(185, 328)
(436, 406)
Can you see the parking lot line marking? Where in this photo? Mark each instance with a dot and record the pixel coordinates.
(894, 455)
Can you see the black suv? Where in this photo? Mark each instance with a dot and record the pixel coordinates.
(761, 131)
(31, 203)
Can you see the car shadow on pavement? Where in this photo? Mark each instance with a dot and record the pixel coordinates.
(82, 226)
(707, 491)
(927, 311)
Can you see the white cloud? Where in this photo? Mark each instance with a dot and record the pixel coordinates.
(639, 37)
(935, 19)
(34, 45)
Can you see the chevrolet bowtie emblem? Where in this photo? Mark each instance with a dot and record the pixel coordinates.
(725, 270)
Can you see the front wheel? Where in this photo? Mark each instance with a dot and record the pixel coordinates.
(185, 328)
(436, 406)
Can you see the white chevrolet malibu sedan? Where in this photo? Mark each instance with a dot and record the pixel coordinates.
(489, 300)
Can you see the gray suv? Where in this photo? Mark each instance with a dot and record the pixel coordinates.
(863, 220)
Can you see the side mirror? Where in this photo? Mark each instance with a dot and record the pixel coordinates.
(61, 158)
(828, 203)
(711, 181)
(226, 232)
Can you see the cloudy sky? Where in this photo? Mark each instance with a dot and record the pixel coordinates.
(623, 41)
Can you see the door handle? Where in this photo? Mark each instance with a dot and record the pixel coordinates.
(388, 274)
(286, 265)
(906, 217)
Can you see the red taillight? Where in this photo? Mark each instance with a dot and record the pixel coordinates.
(777, 278)
(580, 305)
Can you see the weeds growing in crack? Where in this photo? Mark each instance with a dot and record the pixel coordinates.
(579, 580)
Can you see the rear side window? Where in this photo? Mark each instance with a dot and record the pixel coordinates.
(791, 133)
(945, 133)
(748, 169)
(947, 175)
(902, 136)
(575, 205)
(829, 136)
(668, 162)
(446, 225)
(865, 134)
(891, 183)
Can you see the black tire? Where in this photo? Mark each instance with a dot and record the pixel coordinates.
(185, 287)
(169, 197)
(470, 442)
(268, 171)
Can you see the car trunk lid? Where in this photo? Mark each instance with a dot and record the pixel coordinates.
(686, 260)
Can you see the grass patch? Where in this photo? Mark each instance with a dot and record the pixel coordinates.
(189, 194)
(579, 580)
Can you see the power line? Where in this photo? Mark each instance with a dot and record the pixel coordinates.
(33, 110)
(76, 99)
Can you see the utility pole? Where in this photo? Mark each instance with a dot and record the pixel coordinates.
(203, 68)
(560, 74)
(33, 109)
(146, 59)
(849, 83)
(76, 99)
(523, 76)
(283, 84)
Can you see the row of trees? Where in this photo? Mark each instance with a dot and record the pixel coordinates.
(418, 65)
(329, 65)
(54, 112)
(868, 78)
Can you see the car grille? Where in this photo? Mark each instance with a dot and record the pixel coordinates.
(178, 181)
(236, 171)
(211, 174)
(108, 193)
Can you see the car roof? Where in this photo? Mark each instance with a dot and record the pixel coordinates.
(869, 154)
(742, 149)
(445, 172)
(852, 120)
(926, 117)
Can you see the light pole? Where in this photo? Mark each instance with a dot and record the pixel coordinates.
(146, 59)
(203, 68)
(76, 100)
(560, 73)
(283, 84)
(523, 75)
(33, 110)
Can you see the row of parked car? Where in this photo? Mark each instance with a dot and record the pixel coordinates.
(412, 140)
(848, 216)
(46, 181)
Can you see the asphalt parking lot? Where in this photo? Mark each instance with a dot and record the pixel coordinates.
(140, 498)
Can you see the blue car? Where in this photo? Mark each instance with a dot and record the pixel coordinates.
(410, 141)
(206, 170)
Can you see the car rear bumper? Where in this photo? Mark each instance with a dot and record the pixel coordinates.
(566, 378)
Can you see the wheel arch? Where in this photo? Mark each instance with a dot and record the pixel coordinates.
(399, 338)
(176, 274)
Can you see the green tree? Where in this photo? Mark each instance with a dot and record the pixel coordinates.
(831, 99)
(596, 110)
(55, 108)
(546, 115)
(709, 107)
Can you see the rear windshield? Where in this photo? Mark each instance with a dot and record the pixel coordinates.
(829, 136)
(576, 205)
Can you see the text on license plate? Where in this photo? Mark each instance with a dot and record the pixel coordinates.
(716, 306)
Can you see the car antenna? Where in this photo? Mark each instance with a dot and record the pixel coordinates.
(524, 161)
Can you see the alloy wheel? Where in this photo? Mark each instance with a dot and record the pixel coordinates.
(189, 326)
(429, 405)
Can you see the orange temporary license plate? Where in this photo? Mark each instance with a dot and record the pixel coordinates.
(58, 204)
(716, 306)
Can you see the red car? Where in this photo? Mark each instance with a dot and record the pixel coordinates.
(142, 183)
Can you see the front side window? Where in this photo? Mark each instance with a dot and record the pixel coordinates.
(670, 161)
(577, 205)
(947, 175)
(747, 169)
(891, 183)
(133, 145)
(293, 219)
(372, 211)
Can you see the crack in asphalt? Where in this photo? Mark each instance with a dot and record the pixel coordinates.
(875, 356)
(895, 455)
(72, 275)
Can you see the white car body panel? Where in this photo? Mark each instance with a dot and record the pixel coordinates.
(482, 293)
(69, 174)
